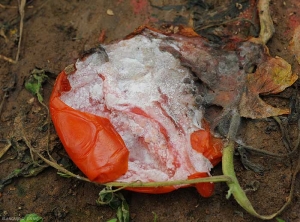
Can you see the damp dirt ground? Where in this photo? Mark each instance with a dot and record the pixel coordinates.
(54, 35)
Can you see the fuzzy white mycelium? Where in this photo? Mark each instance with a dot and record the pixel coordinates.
(144, 93)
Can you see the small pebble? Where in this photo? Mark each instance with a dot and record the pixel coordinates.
(110, 12)
(31, 100)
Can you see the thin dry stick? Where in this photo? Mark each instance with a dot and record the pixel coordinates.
(286, 141)
(296, 171)
(22, 13)
(54, 164)
(48, 130)
(2, 102)
(7, 6)
(7, 59)
(219, 23)
(5, 149)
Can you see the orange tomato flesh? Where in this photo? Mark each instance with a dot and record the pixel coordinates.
(203, 142)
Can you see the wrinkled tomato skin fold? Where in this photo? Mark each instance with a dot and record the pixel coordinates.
(101, 154)
(203, 142)
(90, 141)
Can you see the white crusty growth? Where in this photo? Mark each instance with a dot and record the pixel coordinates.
(142, 91)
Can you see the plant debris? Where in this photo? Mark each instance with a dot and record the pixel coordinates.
(207, 24)
(21, 8)
(108, 196)
(35, 81)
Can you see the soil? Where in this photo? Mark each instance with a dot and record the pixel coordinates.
(54, 35)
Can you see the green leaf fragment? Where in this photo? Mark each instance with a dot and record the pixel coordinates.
(279, 220)
(32, 218)
(116, 201)
(112, 220)
(35, 81)
(123, 211)
(63, 175)
(108, 197)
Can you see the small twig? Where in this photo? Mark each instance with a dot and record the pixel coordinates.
(28, 16)
(6, 91)
(2, 102)
(7, 59)
(287, 143)
(275, 155)
(285, 136)
(199, 28)
(22, 13)
(297, 168)
(7, 6)
(47, 122)
(53, 164)
(12, 6)
(5, 149)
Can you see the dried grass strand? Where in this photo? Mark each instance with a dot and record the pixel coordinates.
(22, 14)
(21, 6)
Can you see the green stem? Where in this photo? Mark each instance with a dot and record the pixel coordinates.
(136, 184)
(213, 179)
(234, 186)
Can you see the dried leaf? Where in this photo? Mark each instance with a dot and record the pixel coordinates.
(271, 77)
(226, 73)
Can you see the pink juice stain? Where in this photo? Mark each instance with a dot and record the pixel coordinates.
(119, 2)
(139, 6)
(293, 17)
(294, 21)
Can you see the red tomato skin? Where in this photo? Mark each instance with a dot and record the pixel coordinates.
(90, 141)
(99, 151)
(205, 189)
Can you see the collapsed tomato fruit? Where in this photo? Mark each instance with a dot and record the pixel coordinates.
(81, 133)
(128, 113)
